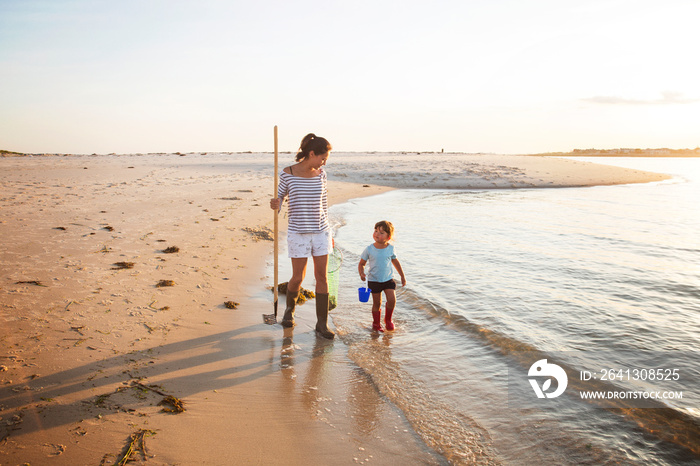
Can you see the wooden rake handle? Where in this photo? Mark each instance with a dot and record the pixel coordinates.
(276, 224)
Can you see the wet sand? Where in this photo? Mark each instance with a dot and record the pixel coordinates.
(90, 350)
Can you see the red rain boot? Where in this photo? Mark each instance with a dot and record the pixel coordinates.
(387, 319)
(377, 325)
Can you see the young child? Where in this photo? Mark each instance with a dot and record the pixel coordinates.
(380, 257)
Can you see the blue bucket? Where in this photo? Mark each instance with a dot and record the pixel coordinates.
(364, 293)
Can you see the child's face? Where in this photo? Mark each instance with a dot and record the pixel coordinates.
(381, 236)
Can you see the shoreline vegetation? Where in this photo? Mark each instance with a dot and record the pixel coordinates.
(625, 153)
(620, 152)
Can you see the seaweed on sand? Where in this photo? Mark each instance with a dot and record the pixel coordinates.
(164, 308)
(263, 233)
(30, 282)
(304, 294)
(172, 405)
(122, 265)
(163, 283)
(231, 304)
(136, 442)
(171, 250)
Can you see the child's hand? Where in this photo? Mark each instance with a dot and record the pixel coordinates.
(403, 281)
(361, 269)
(275, 203)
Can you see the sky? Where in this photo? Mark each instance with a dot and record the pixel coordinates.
(496, 76)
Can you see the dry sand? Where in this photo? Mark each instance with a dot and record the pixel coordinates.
(88, 351)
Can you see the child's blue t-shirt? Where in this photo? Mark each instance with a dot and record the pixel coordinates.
(379, 261)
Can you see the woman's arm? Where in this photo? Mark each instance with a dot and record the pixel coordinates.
(282, 191)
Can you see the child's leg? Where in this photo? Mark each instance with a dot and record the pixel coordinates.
(390, 305)
(376, 311)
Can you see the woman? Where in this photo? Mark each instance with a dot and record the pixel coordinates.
(309, 232)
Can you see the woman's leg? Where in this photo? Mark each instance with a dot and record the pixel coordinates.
(322, 302)
(298, 273)
(293, 288)
(321, 273)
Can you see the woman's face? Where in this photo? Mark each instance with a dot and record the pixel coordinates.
(317, 161)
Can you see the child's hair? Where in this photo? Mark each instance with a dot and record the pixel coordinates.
(311, 142)
(387, 226)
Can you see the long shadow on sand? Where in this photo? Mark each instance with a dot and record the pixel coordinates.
(213, 362)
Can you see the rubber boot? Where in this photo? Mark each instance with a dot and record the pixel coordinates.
(377, 324)
(322, 316)
(387, 319)
(288, 319)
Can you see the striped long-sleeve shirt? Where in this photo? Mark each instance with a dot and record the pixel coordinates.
(308, 202)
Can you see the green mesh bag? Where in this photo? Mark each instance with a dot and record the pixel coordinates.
(335, 259)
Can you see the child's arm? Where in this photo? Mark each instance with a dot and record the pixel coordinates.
(397, 265)
(361, 269)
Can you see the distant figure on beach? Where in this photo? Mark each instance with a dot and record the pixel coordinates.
(308, 232)
(380, 256)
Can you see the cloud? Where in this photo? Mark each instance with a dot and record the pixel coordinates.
(667, 98)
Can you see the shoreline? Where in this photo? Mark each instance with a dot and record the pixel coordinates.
(81, 340)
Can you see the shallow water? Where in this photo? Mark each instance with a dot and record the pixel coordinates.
(592, 279)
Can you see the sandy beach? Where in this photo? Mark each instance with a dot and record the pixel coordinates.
(115, 274)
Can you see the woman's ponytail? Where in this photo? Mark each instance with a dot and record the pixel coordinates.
(312, 143)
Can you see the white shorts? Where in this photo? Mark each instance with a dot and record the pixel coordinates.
(309, 244)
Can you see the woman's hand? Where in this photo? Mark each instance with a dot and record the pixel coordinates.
(275, 203)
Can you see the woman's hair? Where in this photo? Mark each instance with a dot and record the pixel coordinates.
(311, 142)
(386, 226)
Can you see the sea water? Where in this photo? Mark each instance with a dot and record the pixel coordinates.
(601, 282)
